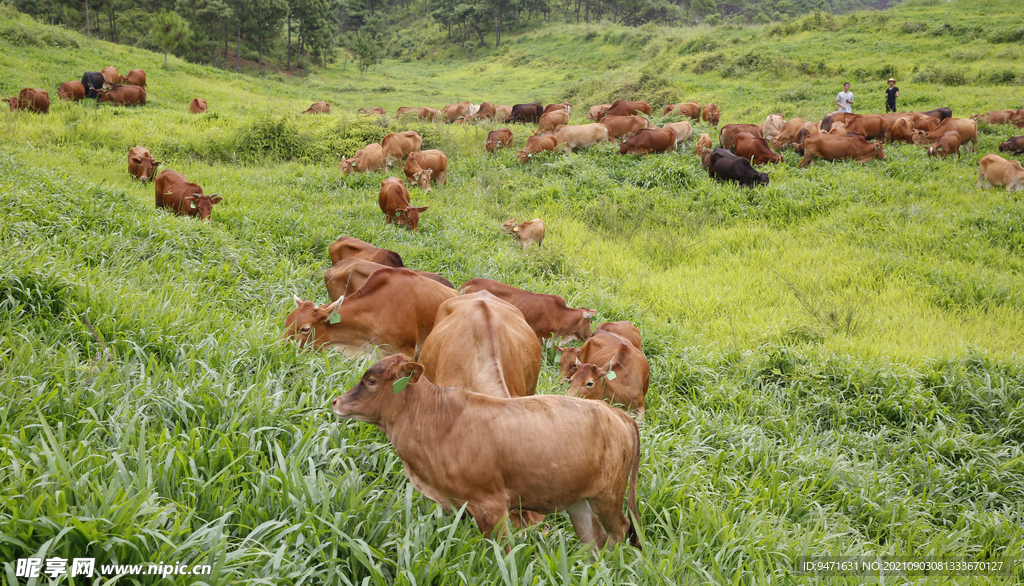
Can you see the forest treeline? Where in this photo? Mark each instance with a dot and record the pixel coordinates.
(300, 33)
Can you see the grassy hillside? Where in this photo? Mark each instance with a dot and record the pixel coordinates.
(835, 358)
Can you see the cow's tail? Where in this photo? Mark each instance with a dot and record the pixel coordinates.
(634, 514)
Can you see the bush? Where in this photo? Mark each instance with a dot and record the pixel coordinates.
(709, 63)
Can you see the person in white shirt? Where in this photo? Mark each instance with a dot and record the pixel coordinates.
(845, 99)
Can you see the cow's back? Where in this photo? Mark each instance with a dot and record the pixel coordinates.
(348, 246)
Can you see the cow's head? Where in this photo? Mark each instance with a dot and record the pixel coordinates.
(410, 217)
(510, 226)
(62, 94)
(581, 329)
(879, 151)
(147, 167)
(521, 156)
(308, 323)
(102, 95)
(492, 145)
(568, 361)
(201, 205)
(13, 103)
(381, 389)
(590, 380)
(762, 178)
(422, 178)
(346, 165)
(1004, 146)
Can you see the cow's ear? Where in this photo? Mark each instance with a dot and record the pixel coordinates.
(137, 160)
(413, 370)
(588, 313)
(215, 199)
(422, 209)
(298, 300)
(156, 164)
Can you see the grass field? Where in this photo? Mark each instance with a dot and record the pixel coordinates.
(835, 358)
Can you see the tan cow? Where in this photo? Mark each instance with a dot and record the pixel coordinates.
(502, 112)
(536, 145)
(710, 114)
(498, 139)
(453, 112)
(564, 106)
(486, 111)
(610, 368)
(927, 123)
(581, 136)
(427, 114)
(595, 112)
(526, 233)
(787, 134)
(834, 147)
(422, 167)
(71, 90)
(947, 144)
(182, 197)
(995, 170)
(318, 108)
(870, 126)
(134, 77)
(548, 315)
(393, 312)
(197, 106)
(808, 129)
(368, 159)
(394, 202)
(110, 76)
(374, 111)
(838, 128)
(683, 130)
(482, 343)
(703, 143)
(691, 110)
(543, 454)
(349, 247)
(349, 275)
(551, 120)
(996, 117)
(967, 129)
(772, 126)
(397, 146)
(569, 355)
(624, 126)
(729, 131)
(141, 164)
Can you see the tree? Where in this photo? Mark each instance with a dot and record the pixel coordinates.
(367, 48)
(209, 16)
(169, 30)
(267, 17)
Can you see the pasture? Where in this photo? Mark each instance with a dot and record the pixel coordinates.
(836, 364)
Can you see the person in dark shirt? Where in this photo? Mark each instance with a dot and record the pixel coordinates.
(891, 93)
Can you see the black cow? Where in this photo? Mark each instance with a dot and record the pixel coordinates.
(1014, 145)
(725, 166)
(526, 113)
(940, 113)
(92, 80)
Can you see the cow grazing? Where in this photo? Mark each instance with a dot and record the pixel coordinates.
(498, 139)
(92, 81)
(703, 143)
(368, 159)
(772, 126)
(627, 108)
(729, 131)
(548, 315)
(543, 454)
(427, 114)
(524, 113)
(609, 368)
(967, 129)
(318, 108)
(597, 111)
(710, 114)
(460, 111)
(649, 140)
(349, 275)
(901, 131)
(141, 164)
(486, 111)
(564, 107)
(71, 90)
(123, 95)
(551, 120)
(683, 130)
(536, 145)
(397, 146)
(755, 149)
(927, 123)
(182, 197)
(568, 362)
(808, 129)
(349, 247)
(725, 166)
(581, 136)
(110, 76)
(624, 126)
(502, 112)
(197, 106)
(393, 312)
(394, 202)
(834, 147)
(947, 144)
(482, 343)
(526, 233)
(375, 111)
(870, 126)
(787, 134)
(996, 117)
(134, 77)
(1013, 145)
(940, 113)
(30, 100)
(691, 110)
(422, 167)
(837, 128)
(995, 170)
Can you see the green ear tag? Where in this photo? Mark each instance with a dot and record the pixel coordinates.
(611, 375)
(400, 384)
(335, 318)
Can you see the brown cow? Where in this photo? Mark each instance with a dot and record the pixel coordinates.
(71, 90)
(691, 110)
(30, 100)
(134, 77)
(703, 143)
(683, 130)
(548, 315)
(110, 76)
(995, 170)
(832, 147)
(710, 114)
(755, 149)
(394, 202)
(197, 106)
(581, 136)
(428, 114)
(772, 126)
(549, 121)
(393, 312)
(597, 111)
(182, 197)
(1013, 145)
(318, 108)
(947, 144)
(349, 275)
(838, 128)
(808, 129)
(967, 129)
(397, 146)
(996, 117)
(610, 368)
(543, 454)
(123, 95)
(627, 108)
(870, 126)
(374, 111)
(649, 140)
(927, 123)
(624, 126)
(535, 145)
(482, 343)
(368, 159)
(729, 131)
(422, 167)
(901, 131)
(787, 134)
(485, 111)
(141, 164)
(498, 139)
(569, 354)
(526, 233)
(453, 112)
(826, 122)
(564, 107)
(349, 247)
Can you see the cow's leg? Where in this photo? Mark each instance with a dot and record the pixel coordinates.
(610, 514)
(807, 160)
(587, 524)
(492, 517)
(981, 179)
